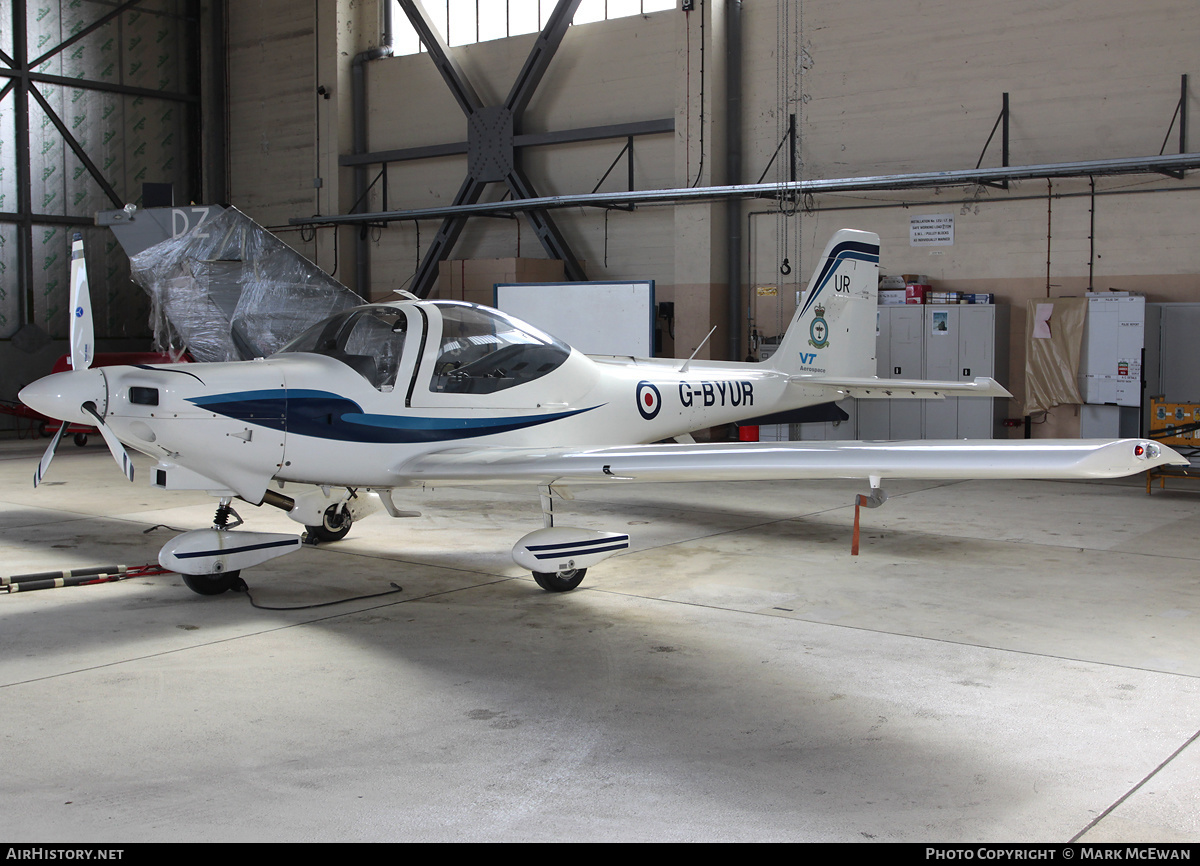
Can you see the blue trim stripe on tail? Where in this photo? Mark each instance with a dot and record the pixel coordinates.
(847, 250)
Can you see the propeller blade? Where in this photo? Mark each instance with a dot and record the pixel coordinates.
(110, 439)
(83, 340)
(44, 465)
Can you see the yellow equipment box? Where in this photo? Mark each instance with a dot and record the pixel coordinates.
(1165, 416)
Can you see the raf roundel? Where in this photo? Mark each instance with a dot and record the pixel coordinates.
(648, 400)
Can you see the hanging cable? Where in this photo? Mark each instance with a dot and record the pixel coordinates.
(781, 51)
(791, 61)
(802, 62)
(1049, 220)
(700, 169)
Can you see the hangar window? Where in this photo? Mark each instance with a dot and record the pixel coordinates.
(465, 22)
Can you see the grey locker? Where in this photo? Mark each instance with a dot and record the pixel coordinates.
(874, 416)
(972, 341)
(1180, 353)
(899, 355)
(962, 342)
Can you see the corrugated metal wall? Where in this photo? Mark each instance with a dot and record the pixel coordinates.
(129, 133)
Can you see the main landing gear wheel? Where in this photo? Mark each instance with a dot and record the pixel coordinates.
(211, 584)
(559, 581)
(81, 440)
(335, 523)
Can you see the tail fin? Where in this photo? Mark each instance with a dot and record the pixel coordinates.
(833, 331)
(250, 294)
(138, 230)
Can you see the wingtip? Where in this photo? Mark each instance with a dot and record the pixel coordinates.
(992, 387)
(1157, 454)
(1174, 458)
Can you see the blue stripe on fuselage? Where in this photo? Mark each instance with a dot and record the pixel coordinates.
(324, 415)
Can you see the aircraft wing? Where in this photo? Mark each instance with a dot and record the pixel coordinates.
(981, 386)
(781, 461)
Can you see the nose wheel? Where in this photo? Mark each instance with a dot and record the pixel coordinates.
(221, 581)
(212, 584)
(559, 581)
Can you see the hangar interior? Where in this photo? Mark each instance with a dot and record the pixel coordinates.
(1005, 660)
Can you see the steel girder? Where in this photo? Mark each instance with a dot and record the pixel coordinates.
(794, 189)
(492, 155)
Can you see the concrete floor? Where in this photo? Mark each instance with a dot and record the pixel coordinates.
(1005, 661)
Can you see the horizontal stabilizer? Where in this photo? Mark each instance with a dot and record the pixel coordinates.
(874, 387)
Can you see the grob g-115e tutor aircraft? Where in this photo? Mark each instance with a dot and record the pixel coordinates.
(411, 393)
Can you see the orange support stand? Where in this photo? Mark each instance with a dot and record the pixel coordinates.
(858, 502)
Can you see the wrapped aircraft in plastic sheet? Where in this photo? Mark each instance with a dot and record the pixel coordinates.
(230, 290)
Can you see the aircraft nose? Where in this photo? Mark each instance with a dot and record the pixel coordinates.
(60, 395)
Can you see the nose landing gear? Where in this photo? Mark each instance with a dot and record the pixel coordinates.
(211, 560)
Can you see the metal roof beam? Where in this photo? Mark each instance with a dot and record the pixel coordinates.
(548, 233)
(439, 52)
(921, 180)
(447, 236)
(530, 139)
(491, 148)
(538, 61)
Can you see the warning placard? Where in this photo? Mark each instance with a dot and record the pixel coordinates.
(931, 230)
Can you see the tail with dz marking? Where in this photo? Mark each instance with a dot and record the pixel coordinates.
(833, 331)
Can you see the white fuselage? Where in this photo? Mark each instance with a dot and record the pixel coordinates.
(311, 418)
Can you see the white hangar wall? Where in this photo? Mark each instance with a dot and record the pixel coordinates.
(909, 86)
(272, 109)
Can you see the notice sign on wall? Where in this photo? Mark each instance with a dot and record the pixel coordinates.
(931, 230)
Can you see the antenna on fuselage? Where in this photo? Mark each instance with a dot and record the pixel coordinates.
(683, 369)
